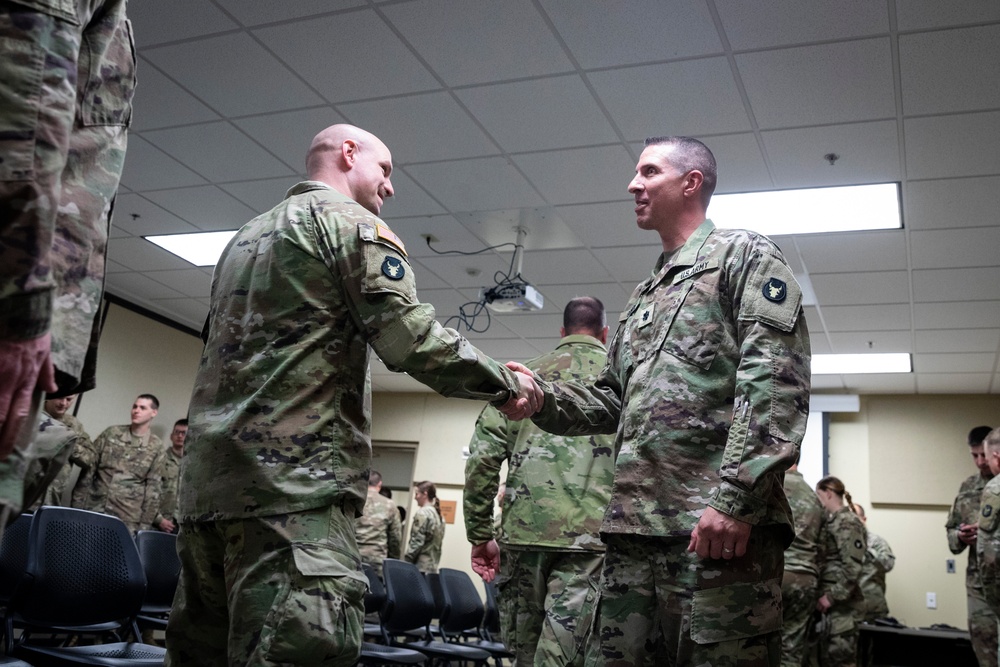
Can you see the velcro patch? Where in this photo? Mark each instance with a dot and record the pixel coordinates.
(989, 517)
(386, 234)
(772, 295)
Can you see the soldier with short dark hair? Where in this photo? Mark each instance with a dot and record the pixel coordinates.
(166, 518)
(378, 529)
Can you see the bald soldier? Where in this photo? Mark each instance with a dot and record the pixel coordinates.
(279, 449)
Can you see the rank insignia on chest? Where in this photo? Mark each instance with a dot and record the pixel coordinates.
(645, 316)
(987, 510)
(393, 269)
(775, 290)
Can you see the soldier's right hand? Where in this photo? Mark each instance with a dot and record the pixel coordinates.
(25, 366)
(529, 397)
(486, 560)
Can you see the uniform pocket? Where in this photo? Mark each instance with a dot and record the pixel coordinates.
(107, 60)
(21, 75)
(696, 331)
(736, 611)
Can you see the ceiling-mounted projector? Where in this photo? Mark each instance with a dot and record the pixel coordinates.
(512, 298)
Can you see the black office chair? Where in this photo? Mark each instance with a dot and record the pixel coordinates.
(409, 605)
(463, 612)
(382, 654)
(83, 569)
(162, 567)
(13, 556)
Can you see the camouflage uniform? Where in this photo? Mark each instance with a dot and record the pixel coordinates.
(879, 560)
(378, 531)
(982, 619)
(426, 536)
(803, 561)
(82, 457)
(839, 581)
(557, 491)
(52, 448)
(279, 431)
(707, 386)
(171, 483)
(68, 75)
(125, 479)
(988, 544)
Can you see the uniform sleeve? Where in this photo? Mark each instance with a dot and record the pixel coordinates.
(84, 454)
(882, 553)
(89, 493)
(951, 526)
(489, 448)
(153, 487)
(395, 534)
(421, 530)
(772, 384)
(842, 569)
(572, 407)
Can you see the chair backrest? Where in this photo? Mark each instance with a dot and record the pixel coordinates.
(13, 555)
(375, 597)
(409, 604)
(491, 619)
(160, 563)
(83, 568)
(434, 583)
(463, 609)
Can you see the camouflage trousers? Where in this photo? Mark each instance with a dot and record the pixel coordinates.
(546, 601)
(661, 605)
(282, 590)
(982, 627)
(841, 647)
(799, 592)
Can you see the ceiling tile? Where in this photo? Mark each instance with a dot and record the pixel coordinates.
(942, 204)
(860, 342)
(115, 267)
(516, 349)
(159, 102)
(868, 153)
(337, 67)
(891, 317)
(256, 13)
(139, 286)
(207, 207)
(446, 301)
(819, 343)
(629, 265)
(741, 166)
(953, 383)
(884, 383)
(158, 22)
(949, 146)
(580, 174)
(556, 112)
(289, 134)
(421, 128)
(481, 184)
(612, 295)
(453, 270)
(957, 315)
(859, 288)
(262, 195)
(977, 284)
(218, 151)
(965, 340)
(932, 84)
(450, 234)
(828, 83)
(188, 311)
(426, 278)
(562, 267)
(852, 252)
(477, 42)
(139, 254)
(243, 79)
(534, 325)
(760, 25)
(954, 248)
(545, 230)
(607, 224)
(189, 282)
(633, 32)
(147, 168)
(921, 14)
(140, 217)
(711, 102)
(967, 362)
(408, 199)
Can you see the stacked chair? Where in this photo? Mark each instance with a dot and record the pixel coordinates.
(162, 567)
(382, 654)
(463, 613)
(82, 578)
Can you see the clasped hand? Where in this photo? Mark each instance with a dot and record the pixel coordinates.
(529, 397)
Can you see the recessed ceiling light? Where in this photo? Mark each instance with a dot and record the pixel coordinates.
(844, 364)
(201, 249)
(811, 210)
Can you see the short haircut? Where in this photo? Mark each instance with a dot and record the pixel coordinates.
(992, 441)
(978, 434)
(152, 399)
(584, 314)
(374, 478)
(690, 154)
(181, 422)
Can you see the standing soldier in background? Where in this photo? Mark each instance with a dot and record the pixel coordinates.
(378, 529)
(166, 518)
(962, 532)
(426, 531)
(879, 560)
(803, 563)
(73, 448)
(82, 455)
(559, 488)
(988, 539)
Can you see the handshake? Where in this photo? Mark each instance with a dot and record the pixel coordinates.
(529, 397)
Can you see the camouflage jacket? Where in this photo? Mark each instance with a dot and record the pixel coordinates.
(806, 551)
(707, 387)
(280, 416)
(557, 487)
(378, 530)
(965, 510)
(879, 559)
(843, 559)
(171, 482)
(988, 544)
(426, 536)
(125, 479)
(80, 455)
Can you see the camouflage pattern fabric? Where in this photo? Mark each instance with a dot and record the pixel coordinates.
(982, 619)
(803, 561)
(988, 543)
(51, 450)
(290, 581)
(169, 486)
(378, 531)
(661, 605)
(426, 536)
(840, 581)
(81, 458)
(879, 560)
(557, 488)
(126, 478)
(65, 110)
(707, 390)
(546, 600)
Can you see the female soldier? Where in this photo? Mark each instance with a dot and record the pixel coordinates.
(427, 531)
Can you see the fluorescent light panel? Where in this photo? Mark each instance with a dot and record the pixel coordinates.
(811, 210)
(201, 249)
(851, 364)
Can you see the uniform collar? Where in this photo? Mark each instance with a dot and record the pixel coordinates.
(312, 186)
(686, 255)
(580, 339)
